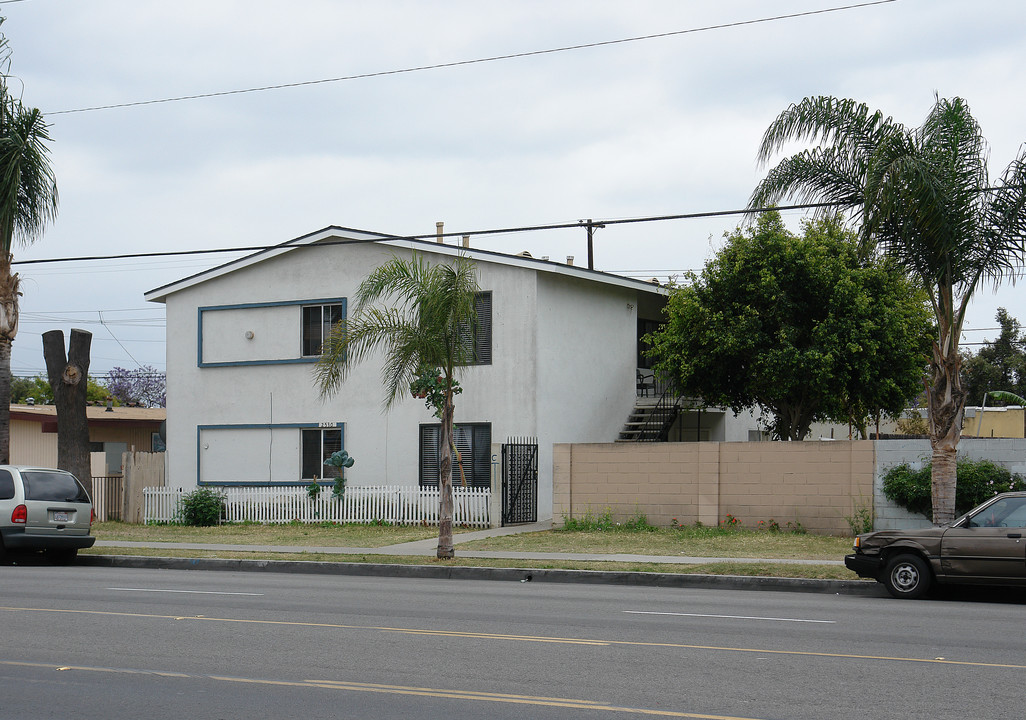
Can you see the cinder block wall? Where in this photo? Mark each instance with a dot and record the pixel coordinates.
(819, 484)
(816, 484)
(1010, 452)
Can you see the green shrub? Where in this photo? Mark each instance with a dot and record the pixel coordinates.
(977, 480)
(604, 522)
(202, 507)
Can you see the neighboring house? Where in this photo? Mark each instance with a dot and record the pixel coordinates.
(994, 422)
(111, 432)
(557, 355)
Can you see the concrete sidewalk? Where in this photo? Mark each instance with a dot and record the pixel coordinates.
(427, 548)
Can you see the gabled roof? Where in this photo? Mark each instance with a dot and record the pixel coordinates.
(341, 235)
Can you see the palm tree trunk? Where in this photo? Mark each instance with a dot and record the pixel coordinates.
(8, 329)
(5, 400)
(445, 546)
(946, 402)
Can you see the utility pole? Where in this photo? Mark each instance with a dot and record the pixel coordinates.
(590, 226)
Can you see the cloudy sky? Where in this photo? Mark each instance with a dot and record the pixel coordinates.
(667, 125)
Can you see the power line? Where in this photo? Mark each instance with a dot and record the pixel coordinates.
(429, 236)
(478, 61)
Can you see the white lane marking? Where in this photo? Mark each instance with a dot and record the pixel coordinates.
(190, 592)
(730, 617)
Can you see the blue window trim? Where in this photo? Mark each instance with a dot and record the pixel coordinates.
(253, 306)
(261, 426)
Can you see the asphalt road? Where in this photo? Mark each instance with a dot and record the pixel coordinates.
(89, 642)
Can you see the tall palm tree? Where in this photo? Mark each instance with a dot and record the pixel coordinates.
(426, 327)
(923, 196)
(28, 203)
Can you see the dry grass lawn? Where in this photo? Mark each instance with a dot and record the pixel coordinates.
(692, 542)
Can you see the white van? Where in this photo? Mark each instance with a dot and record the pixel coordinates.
(43, 509)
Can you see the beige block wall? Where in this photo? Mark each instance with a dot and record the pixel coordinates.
(815, 484)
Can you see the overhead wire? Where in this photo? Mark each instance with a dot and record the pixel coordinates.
(428, 236)
(477, 61)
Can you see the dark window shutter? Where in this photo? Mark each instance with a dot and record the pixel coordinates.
(473, 440)
(311, 330)
(311, 454)
(482, 458)
(429, 436)
(483, 329)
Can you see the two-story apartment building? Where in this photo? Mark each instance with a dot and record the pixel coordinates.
(557, 359)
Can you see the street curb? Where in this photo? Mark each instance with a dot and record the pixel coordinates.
(642, 579)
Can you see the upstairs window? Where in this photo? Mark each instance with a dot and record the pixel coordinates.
(478, 337)
(317, 323)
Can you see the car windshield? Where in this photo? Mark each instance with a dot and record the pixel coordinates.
(53, 486)
(1006, 512)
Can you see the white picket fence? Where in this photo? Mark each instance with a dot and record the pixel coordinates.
(396, 505)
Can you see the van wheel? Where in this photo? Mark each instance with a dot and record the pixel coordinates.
(907, 576)
(62, 556)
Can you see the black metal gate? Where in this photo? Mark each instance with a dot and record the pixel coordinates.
(520, 481)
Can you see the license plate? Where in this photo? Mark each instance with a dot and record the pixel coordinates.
(60, 516)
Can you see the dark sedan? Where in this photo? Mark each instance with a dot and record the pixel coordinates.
(985, 547)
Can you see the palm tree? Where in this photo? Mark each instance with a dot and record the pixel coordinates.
(923, 196)
(28, 202)
(426, 328)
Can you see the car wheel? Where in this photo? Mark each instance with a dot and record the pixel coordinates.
(62, 556)
(908, 576)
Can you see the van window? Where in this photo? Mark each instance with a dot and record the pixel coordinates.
(53, 486)
(6, 485)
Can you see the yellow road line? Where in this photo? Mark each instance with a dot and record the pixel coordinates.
(523, 638)
(439, 693)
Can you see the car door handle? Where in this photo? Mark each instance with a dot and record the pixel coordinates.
(1015, 535)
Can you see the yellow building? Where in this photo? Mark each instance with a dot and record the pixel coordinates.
(111, 433)
(996, 422)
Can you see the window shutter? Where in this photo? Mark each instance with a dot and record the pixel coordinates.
(473, 440)
(311, 454)
(482, 459)
(483, 329)
(311, 330)
(429, 436)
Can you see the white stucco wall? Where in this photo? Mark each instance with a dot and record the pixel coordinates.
(563, 359)
(587, 360)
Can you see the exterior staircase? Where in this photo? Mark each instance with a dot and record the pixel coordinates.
(651, 421)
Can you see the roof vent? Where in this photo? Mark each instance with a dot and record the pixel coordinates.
(523, 253)
(30, 401)
(569, 259)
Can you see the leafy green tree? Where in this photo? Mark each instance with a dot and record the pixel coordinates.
(38, 388)
(800, 327)
(923, 197)
(427, 327)
(28, 202)
(998, 365)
